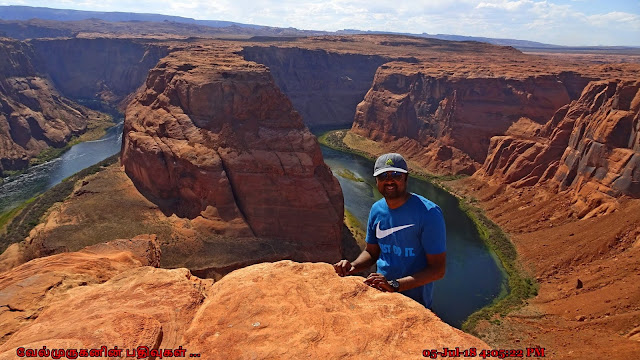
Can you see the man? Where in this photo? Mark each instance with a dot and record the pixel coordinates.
(405, 237)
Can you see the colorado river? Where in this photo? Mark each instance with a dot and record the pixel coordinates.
(16, 189)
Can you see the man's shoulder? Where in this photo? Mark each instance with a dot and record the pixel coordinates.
(421, 201)
(379, 205)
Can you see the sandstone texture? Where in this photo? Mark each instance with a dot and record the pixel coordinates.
(32, 287)
(211, 135)
(309, 312)
(454, 116)
(590, 148)
(33, 114)
(112, 295)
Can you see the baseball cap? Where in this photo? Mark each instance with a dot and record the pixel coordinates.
(390, 162)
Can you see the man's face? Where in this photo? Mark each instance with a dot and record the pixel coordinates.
(392, 184)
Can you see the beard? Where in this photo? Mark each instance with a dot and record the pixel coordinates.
(391, 192)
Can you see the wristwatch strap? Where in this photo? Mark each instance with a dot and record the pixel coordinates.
(394, 284)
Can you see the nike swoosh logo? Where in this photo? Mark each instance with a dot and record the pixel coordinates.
(384, 233)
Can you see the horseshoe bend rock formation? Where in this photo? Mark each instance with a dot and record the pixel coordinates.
(590, 147)
(211, 135)
(112, 295)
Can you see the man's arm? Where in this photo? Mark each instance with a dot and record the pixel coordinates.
(367, 258)
(435, 270)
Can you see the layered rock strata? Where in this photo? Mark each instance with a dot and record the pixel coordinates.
(211, 135)
(100, 69)
(324, 87)
(112, 295)
(452, 119)
(33, 114)
(590, 147)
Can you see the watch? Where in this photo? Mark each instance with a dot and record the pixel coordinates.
(394, 284)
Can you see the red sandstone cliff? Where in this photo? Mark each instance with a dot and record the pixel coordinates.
(590, 148)
(448, 121)
(33, 114)
(211, 135)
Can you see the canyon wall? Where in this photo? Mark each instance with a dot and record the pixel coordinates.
(33, 114)
(39, 78)
(103, 69)
(453, 118)
(590, 147)
(323, 86)
(211, 135)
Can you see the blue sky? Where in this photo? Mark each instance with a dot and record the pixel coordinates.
(562, 22)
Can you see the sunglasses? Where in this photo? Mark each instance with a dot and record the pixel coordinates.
(395, 175)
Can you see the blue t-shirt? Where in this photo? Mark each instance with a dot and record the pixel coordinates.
(405, 235)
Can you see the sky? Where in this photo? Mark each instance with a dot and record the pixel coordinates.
(560, 22)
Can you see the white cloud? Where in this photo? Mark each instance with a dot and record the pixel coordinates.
(504, 5)
(615, 19)
(552, 21)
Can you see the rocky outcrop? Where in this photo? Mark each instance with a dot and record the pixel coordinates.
(211, 135)
(292, 310)
(27, 290)
(113, 296)
(324, 87)
(33, 114)
(453, 118)
(97, 69)
(590, 148)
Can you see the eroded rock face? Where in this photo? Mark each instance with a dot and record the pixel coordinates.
(33, 114)
(108, 295)
(324, 87)
(102, 69)
(454, 118)
(590, 147)
(212, 135)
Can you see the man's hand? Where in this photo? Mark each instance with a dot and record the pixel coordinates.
(379, 282)
(343, 268)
